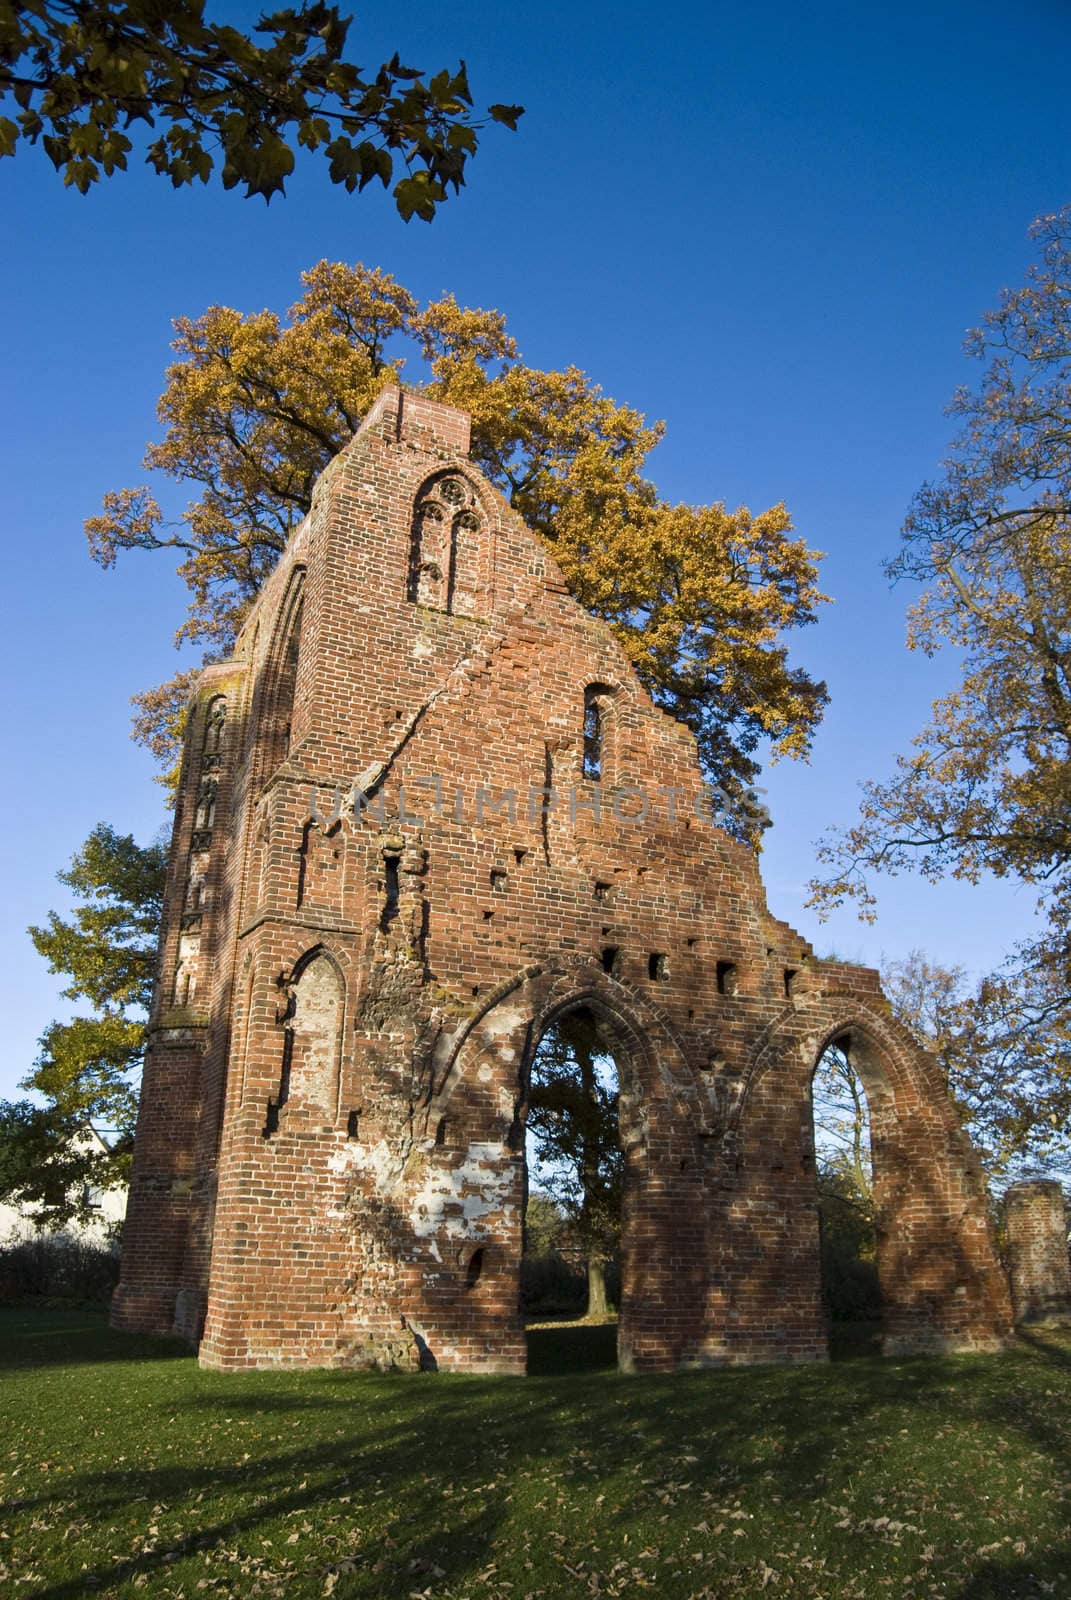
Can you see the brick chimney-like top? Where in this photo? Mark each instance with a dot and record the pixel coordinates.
(400, 416)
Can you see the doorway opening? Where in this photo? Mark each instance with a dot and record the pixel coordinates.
(574, 1194)
(844, 1171)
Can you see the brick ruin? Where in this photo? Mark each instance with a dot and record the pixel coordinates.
(427, 811)
(1037, 1252)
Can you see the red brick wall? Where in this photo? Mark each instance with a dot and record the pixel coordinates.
(1037, 1252)
(355, 1095)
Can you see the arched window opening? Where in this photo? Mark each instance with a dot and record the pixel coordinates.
(596, 703)
(845, 1179)
(312, 1041)
(287, 685)
(215, 722)
(282, 685)
(444, 546)
(575, 1174)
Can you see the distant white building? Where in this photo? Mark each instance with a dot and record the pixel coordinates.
(108, 1208)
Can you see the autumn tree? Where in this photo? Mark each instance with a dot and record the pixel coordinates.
(987, 786)
(1004, 1048)
(573, 1137)
(88, 1067)
(699, 597)
(544, 1224)
(79, 74)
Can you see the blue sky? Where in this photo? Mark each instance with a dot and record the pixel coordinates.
(769, 225)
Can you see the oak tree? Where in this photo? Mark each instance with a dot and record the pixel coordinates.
(700, 597)
(79, 75)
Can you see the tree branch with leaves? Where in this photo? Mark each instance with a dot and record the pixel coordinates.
(79, 74)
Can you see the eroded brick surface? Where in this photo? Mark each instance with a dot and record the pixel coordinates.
(366, 938)
(1037, 1252)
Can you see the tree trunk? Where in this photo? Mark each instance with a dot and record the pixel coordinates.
(597, 1304)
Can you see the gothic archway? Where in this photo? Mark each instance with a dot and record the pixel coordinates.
(481, 1104)
(941, 1286)
(845, 1185)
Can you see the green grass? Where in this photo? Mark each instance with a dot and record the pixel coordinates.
(126, 1471)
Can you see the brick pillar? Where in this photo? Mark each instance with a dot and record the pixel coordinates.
(1037, 1253)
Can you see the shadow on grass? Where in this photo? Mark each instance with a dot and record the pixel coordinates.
(1048, 1339)
(52, 1335)
(574, 1347)
(1023, 1580)
(433, 1464)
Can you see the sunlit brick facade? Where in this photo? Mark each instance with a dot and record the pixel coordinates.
(395, 863)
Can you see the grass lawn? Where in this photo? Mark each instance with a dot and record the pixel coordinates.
(126, 1470)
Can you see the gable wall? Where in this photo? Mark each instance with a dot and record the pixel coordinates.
(344, 1179)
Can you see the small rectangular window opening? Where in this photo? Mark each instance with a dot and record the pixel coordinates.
(611, 960)
(499, 880)
(791, 975)
(391, 890)
(728, 983)
(656, 967)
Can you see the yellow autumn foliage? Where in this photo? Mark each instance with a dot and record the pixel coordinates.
(255, 406)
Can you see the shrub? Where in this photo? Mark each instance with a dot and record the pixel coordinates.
(54, 1265)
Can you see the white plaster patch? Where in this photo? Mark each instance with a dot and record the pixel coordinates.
(503, 1020)
(444, 1045)
(378, 1161)
(455, 1202)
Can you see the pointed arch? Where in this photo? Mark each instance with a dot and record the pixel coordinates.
(530, 1001)
(312, 1046)
(474, 1123)
(941, 1284)
(214, 725)
(447, 553)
